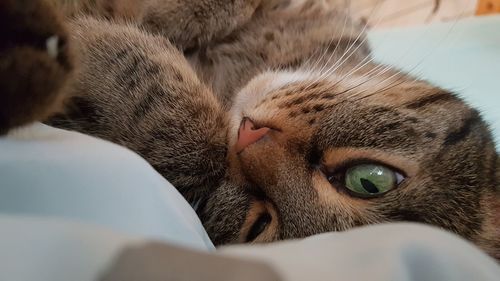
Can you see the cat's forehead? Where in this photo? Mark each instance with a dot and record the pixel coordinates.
(304, 87)
(391, 111)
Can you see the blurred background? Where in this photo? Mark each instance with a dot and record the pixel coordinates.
(398, 13)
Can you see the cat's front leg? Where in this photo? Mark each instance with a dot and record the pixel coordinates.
(34, 62)
(186, 23)
(193, 23)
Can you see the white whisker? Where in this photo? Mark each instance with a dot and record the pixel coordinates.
(342, 60)
(318, 60)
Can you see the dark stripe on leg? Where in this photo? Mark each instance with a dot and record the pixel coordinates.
(148, 101)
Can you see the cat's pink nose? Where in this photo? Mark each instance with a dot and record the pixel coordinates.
(248, 134)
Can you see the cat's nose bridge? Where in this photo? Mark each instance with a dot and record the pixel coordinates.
(249, 134)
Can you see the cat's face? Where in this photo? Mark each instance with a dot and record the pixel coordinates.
(310, 154)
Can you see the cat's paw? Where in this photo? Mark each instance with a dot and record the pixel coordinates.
(35, 62)
(193, 23)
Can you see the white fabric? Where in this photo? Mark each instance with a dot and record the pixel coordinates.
(399, 252)
(42, 249)
(55, 173)
(39, 249)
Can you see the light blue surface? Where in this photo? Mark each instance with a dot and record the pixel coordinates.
(386, 252)
(45, 249)
(463, 57)
(47, 172)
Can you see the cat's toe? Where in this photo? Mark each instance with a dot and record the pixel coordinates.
(35, 62)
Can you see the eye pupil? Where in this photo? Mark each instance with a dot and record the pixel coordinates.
(369, 186)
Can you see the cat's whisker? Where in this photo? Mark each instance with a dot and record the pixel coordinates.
(325, 50)
(365, 80)
(346, 13)
(379, 74)
(343, 60)
(387, 68)
(349, 98)
(443, 39)
(367, 77)
(360, 65)
(364, 62)
(387, 87)
(322, 73)
(390, 86)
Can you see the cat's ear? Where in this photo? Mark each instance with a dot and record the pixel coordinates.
(35, 62)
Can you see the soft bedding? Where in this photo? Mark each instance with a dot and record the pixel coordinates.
(69, 202)
(47, 172)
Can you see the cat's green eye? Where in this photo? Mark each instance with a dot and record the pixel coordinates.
(371, 179)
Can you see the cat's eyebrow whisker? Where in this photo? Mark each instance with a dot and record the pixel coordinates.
(346, 14)
(325, 50)
(361, 64)
(367, 77)
(364, 62)
(325, 64)
(386, 68)
(380, 73)
(387, 87)
(365, 80)
(390, 86)
(342, 60)
(448, 33)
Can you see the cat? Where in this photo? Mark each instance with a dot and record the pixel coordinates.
(272, 120)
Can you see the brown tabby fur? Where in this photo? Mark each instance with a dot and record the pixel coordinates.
(271, 61)
(30, 80)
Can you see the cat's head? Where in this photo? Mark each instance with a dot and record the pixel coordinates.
(311, 154)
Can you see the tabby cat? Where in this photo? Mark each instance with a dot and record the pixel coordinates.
(270, 117)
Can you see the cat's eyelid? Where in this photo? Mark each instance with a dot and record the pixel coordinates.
(349, 163)
(337, 159)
